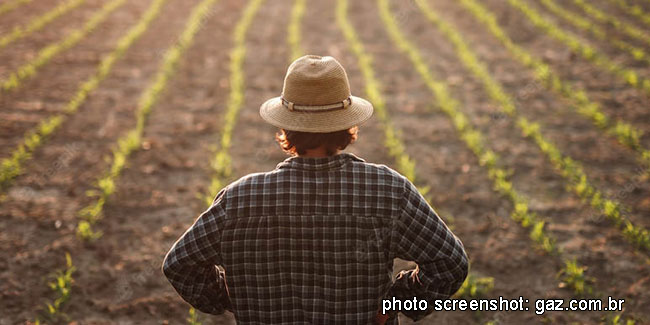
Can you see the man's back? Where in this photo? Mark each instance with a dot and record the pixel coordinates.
(313, 242)
(309, 241)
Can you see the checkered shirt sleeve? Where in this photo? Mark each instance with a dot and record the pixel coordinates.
(419, 235)
(192, 264)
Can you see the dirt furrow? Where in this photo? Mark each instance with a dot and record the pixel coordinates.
(158, 196)
(615, 32)
(18, 16)
(49, 90)
(604, 46)
(41, 208)
(614, 173)
(22, 50)
(253, 145)
(599, 245)
(611, 167)
(617, 98)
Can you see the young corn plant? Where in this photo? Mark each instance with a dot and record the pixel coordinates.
(580, 48)
(45, 55)
(586, 25)
(622, 26)
(12, 166)
(571, 170)
(625, 133)
(132, 140)
(618, 319)
(573, 276)
(61, 285)
(473, 285)
(475, 288)
(38, 23)
(193, 317)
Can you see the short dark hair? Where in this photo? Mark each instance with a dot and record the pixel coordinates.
(296, 142)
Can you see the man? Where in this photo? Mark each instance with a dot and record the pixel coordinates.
(313, 241)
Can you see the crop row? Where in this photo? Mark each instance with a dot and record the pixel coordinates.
(580, 48)
(507, 105)
(12, 166)
(11, 5)
(586, 25)
(293, 35)
(634, 10)
(39, 22)
(132, 140)
(62, 286)
(221, 163)
(46, 54)
(475, 141)
(473, 286)
(625, 133)
(624, 27)
(571, 170)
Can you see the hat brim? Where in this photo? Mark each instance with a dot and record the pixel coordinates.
(274, 113)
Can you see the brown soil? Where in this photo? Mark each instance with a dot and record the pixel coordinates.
(118, 278)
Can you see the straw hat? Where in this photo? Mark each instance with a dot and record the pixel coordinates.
(316, 98)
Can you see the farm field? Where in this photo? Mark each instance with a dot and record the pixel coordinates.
(526, 123)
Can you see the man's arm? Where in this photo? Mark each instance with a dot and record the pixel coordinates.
(418, 234)
(190, 265)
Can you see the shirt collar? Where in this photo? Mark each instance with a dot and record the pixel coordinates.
(321, 163)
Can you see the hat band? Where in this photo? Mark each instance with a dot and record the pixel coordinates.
(317, 108)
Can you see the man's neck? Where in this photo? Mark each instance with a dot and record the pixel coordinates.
(318, 153)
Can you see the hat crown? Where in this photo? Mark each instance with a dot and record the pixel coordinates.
(314, 80)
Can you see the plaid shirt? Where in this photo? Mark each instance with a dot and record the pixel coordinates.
(313, 242)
